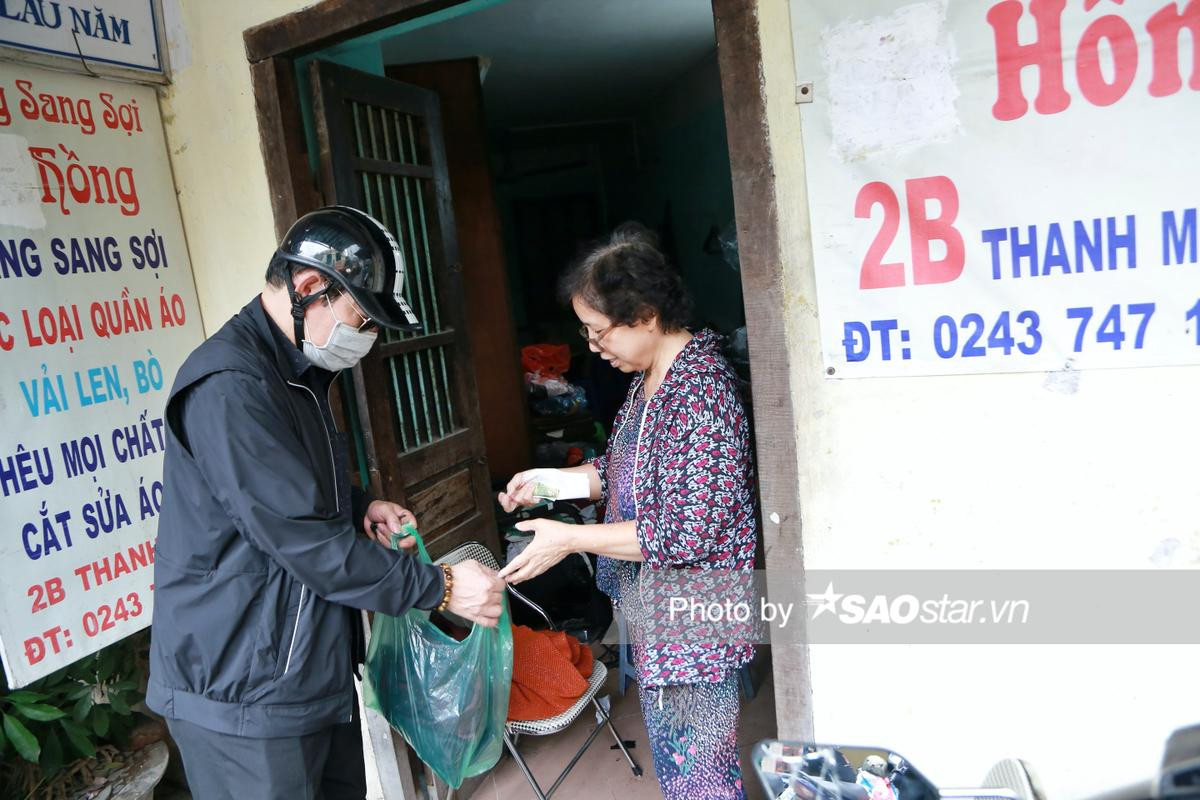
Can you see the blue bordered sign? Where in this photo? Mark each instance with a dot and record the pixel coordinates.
(114, 37)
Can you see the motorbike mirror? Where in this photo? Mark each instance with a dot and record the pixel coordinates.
(1179, 774)
(1010, 779)
(1016, 775)
(809, 771)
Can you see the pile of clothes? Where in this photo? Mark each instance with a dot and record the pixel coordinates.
(551, 670)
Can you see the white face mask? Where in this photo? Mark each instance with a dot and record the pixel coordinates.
(345, 347)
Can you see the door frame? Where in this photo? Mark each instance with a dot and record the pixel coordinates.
(271, 49)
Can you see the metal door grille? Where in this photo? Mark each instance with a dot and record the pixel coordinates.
(401, 194)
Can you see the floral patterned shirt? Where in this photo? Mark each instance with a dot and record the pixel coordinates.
(681, 463)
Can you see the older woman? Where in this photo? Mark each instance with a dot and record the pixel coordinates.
(677, 483)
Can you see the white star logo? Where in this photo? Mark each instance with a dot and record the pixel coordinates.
(827, 599)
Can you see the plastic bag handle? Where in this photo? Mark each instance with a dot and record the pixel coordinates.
(410, 530)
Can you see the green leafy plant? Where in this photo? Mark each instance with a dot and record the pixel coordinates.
(69, 715)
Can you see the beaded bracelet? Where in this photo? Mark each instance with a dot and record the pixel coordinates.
(449, 583)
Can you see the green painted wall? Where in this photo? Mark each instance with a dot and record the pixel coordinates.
(689, 179)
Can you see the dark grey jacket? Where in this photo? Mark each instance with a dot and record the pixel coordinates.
(259, 560)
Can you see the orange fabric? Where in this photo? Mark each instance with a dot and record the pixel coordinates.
(548, 360)
(550, 672)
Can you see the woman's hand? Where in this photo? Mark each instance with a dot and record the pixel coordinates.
(519, 492)
(552, 542)
(575, 483)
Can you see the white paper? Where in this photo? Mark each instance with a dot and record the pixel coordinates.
(570, 485)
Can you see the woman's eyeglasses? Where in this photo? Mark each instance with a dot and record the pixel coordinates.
(594, 340)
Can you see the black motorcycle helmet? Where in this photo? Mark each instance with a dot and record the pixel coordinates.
(359, 254)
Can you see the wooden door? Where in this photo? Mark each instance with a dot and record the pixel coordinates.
(497, 358)
(382, 151)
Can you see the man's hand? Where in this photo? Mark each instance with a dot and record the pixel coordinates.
(477, 593)
(552, 542)
(384, 518)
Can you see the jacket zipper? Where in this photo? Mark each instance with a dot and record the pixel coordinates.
(295, 629)
(337, 504)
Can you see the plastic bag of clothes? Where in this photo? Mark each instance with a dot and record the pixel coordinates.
(563, 404)
(547, 360)
(448, 698)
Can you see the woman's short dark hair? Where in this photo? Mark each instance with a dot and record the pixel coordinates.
(626, 278)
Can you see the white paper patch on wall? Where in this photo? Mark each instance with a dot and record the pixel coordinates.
(20, 189)
(890, 82)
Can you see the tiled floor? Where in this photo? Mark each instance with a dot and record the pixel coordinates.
(603, 774)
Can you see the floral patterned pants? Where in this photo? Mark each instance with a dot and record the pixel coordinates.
(693, 736)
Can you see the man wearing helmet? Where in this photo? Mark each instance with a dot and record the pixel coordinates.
(263, 557)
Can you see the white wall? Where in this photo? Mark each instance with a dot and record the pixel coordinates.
(986, 471)
(212, 135)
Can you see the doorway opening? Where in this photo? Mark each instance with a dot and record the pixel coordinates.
(588, 115)
(558, 121)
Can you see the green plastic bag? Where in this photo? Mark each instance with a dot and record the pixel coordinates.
(448, 698)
